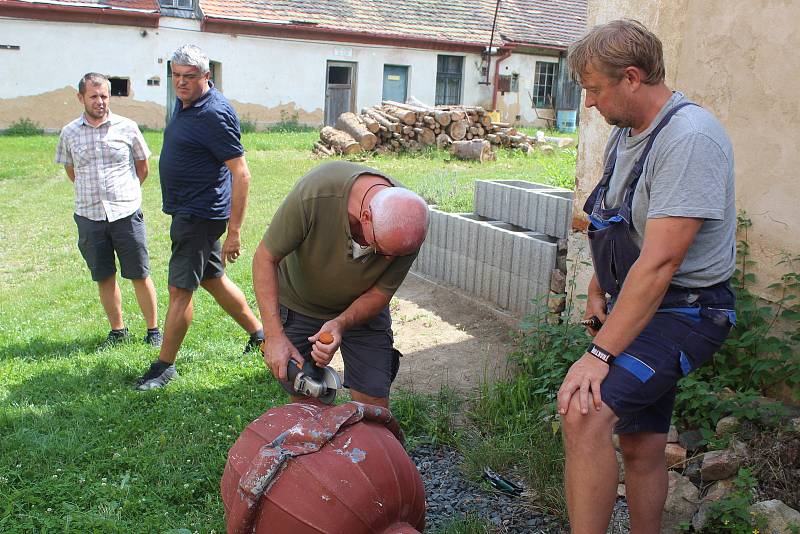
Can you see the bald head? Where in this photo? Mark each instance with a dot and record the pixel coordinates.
(400, 220)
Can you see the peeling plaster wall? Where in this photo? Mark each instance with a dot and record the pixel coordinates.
(736, 59)
(266, 79)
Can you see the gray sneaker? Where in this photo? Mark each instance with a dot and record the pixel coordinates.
(158, 376)
(115, 337)
(154, 339)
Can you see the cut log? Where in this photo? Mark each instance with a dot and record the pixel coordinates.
(390, 125)
(457, 130)
(443, 141)
(456, 116)
(371, 124)
(410, 107)
(561, 142)
(341, 141)
(442, 117)
(475, 150)
(349, 123)
(324, 149)
(425, 136)
(406, 116)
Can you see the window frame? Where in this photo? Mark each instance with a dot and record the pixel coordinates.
(544, 84)
(449, 80)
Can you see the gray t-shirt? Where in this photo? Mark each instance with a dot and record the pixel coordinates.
(688, 173)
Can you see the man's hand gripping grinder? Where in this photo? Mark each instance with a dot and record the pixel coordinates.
(308, 380)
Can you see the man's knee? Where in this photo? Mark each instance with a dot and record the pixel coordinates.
(597, 424)
(643, 450)
(179, 296)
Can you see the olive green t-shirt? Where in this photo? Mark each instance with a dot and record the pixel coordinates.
(311, 232)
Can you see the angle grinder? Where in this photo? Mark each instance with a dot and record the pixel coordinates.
(309, 380)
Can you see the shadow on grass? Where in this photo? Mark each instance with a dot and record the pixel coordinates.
(40, 348)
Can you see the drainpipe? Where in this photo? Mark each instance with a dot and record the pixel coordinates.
(505, 53)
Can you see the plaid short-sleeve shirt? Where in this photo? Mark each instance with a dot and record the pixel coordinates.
(106, 185)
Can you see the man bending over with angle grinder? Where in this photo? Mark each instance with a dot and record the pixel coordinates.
(337, 249)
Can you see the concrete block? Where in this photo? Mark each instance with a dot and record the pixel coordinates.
(533, 206)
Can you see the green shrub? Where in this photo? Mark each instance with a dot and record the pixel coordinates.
(426, 418)
(755, 356)
(24, 127)
(290, 123)
(732, 513)
(247, 125)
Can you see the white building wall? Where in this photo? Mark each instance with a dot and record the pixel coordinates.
(517, 107)
(264, 77)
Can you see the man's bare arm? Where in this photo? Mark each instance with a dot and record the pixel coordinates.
(666, 242)
(70, 172)
(142, 169)
(240, 187)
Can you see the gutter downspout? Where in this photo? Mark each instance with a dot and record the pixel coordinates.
(504, 54)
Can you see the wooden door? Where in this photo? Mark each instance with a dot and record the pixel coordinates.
(395, 83)
(339, 90)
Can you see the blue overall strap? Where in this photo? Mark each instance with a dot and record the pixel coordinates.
(639, 166)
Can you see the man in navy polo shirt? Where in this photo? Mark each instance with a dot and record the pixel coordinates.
(204, 185)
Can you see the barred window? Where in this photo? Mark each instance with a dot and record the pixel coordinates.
(449, 74)
(543, 82)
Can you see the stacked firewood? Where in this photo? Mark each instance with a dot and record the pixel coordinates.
(468, 131)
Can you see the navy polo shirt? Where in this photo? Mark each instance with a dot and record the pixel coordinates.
(197, 143)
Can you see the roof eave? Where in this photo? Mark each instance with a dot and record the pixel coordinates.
(67, 13)
(315, 33)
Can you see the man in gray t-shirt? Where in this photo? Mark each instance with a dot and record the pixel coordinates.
(662, 235)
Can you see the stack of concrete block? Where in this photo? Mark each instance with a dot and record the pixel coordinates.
(490, 255)
(536, 207)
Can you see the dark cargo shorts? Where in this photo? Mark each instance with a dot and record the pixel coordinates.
(370, 359)
(196, 250)
(641, 384)
(99, 240)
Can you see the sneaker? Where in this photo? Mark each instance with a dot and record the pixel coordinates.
(158, 376)
(154, 339)
(115, 337)
(255, 341)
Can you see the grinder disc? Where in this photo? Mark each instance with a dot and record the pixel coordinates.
(332, 382)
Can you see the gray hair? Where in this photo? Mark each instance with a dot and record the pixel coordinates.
(93, 78)
(401, 212)
(191, 56)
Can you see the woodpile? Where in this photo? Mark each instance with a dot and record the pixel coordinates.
(395, 126)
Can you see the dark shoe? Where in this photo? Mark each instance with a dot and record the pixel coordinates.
(255, 341)
(115, 337)
(158, 376)
(154, 339)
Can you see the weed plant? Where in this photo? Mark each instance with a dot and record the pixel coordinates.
(24, 128)
(757, 355)
(731, 514)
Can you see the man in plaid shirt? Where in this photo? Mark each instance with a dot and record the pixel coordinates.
(105, 156)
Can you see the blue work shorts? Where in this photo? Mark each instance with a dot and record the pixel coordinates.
(641, 384)
(98, 241)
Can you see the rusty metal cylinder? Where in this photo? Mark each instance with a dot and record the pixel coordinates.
(309, 468)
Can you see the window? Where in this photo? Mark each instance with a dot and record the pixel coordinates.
(543, 82)
(119, 86)
(177, 4)
(449, 73)
(338, 75)
(508, 83)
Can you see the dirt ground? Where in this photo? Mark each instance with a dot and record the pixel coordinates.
(446, 337)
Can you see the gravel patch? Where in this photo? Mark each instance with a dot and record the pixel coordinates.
(450, 494)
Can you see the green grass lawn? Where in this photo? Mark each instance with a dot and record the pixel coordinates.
(80, 451)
